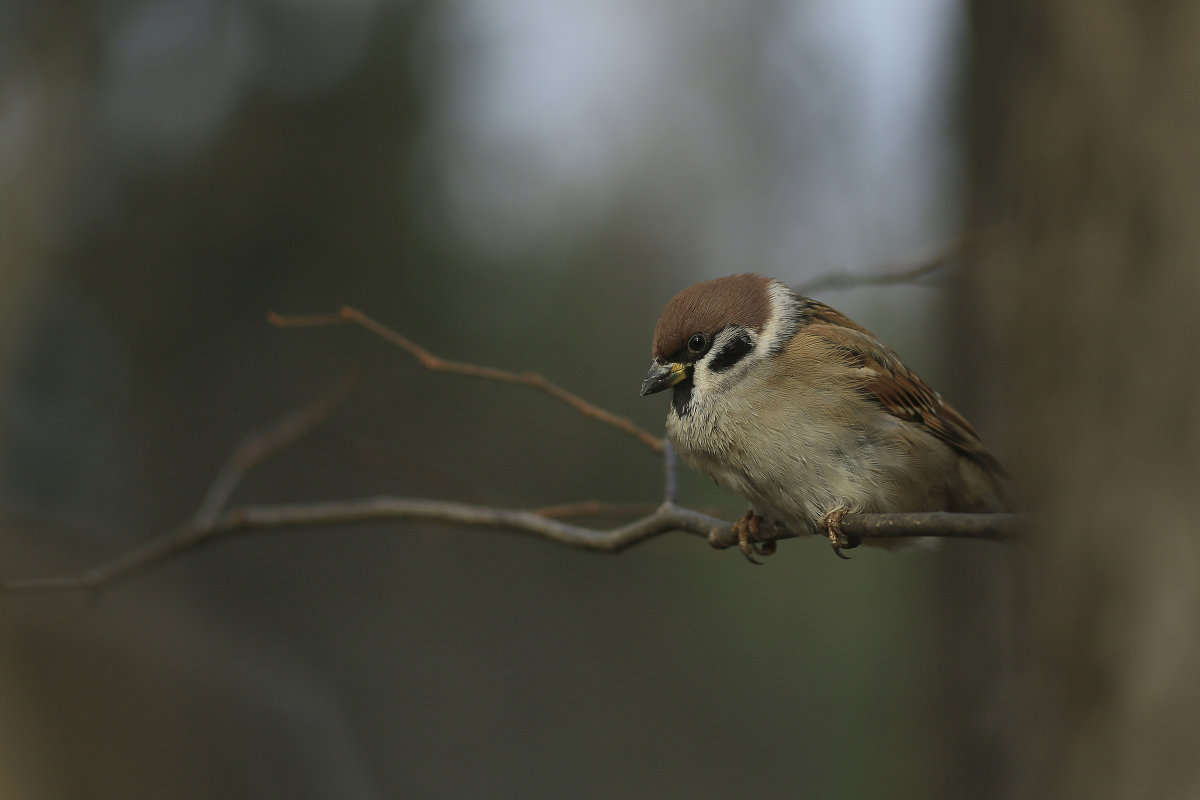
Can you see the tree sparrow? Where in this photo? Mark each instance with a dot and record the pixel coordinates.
(806, 414)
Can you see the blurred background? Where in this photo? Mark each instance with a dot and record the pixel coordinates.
(517, 183)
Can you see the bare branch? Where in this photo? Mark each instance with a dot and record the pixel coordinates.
(940, 524)
(377, 509)
(884, 277)
(667, 518)
(259, 446)
(594, 508)
(429, 361)
(670, 474)
(935, 524)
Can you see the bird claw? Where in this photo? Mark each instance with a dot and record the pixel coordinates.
(833, 530)
(747, 529)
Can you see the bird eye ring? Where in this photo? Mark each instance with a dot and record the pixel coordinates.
(697, 343)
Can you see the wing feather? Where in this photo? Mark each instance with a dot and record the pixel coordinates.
(896, 388)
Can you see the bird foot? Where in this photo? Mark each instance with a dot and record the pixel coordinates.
(832, 523)
(747, 531)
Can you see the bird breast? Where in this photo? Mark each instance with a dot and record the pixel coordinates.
(794, 462)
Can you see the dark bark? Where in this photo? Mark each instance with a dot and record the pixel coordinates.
(1085, 164)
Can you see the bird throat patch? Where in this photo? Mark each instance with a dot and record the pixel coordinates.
(681, 397)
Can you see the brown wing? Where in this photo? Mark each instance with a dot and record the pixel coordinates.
(895, 387)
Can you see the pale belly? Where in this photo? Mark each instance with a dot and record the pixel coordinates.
(799, 483)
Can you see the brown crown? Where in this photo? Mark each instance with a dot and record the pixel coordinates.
(710, 306)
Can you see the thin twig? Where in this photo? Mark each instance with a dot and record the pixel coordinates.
(884, 277)
(391, 460)
(259, 446)
(670, 474)
(667, 518)
(429, 361)
(594, 508)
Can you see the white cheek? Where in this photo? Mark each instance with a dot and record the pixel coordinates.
(705, 384)
(703, 379)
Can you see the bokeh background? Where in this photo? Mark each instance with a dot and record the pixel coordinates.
(522, 184)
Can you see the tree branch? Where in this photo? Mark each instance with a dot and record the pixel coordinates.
(429, 361)
(259, 446)
(666, 519)
(670, 474)
(908, 525)
(885, 277)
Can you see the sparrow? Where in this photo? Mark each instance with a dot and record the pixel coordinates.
(808, 415)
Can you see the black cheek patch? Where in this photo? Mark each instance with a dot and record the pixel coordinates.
(681, 400)
(731, 353)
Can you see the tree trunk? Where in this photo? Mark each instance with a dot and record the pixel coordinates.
(1085, 170)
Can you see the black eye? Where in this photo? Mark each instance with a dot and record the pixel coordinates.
(697, 344)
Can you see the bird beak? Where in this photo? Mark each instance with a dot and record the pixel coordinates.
(663, 376)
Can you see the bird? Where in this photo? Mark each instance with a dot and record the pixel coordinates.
(807, 415)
